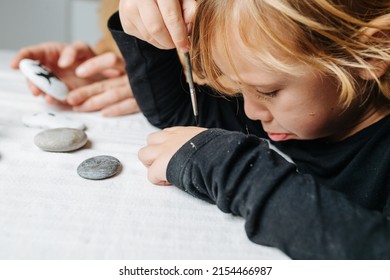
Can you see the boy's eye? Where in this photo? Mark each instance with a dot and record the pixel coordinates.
(270, 94)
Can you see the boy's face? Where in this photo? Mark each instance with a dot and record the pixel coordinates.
(290, 107)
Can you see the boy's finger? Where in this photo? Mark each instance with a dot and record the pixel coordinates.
(152, 25)
(173, 18)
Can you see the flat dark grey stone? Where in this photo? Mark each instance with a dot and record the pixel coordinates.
(61, 139)
(99, 167)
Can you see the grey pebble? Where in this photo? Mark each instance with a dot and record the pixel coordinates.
(61, 139)
(99, 167)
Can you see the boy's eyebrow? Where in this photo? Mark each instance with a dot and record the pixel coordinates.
(265, 85)
(268, 82)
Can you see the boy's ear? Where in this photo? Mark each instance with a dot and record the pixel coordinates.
(382, 32)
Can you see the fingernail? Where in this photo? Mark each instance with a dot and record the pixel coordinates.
(80, 71)
(189, 28)
(64, 61)
(70, 101)
(71, 98)
(184, 50)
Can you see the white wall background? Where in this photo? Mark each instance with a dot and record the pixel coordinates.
(26, 22)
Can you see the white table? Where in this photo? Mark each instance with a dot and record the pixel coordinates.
(48, 212)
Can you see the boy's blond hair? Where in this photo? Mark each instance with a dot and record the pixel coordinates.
(325, 34)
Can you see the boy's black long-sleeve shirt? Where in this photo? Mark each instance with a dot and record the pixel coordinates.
(332, 203)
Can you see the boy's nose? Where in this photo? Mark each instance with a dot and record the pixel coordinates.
(257, 112)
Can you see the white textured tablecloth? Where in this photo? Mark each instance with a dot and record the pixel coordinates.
(48, 212)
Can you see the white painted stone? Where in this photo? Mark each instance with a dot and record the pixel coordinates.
(51, 120)
(43, 78)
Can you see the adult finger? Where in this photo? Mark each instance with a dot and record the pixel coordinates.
(81, 94)
(125, 107)
(100, 64)
(71, 54)
(47, 53)
(51, 100)
(107, 98)
(18, 57)
(36, 91)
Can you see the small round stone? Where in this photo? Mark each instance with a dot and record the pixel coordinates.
(61, 139)
(99, 167)
(48, 120)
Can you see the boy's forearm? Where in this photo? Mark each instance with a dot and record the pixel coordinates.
(282, 208)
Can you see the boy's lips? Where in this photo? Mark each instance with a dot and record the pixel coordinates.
(279, 136)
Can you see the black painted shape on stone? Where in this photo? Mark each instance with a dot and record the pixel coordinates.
(46, 73)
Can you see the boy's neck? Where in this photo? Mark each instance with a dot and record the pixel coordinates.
(368, 117)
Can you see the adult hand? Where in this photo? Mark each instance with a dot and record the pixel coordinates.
(160, 148)
(95, 82)
(112, 96)
(163, 23)
(60, 58)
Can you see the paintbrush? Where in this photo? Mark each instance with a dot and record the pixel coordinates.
(192, 87)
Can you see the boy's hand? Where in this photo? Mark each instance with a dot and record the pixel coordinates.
(163, 23)
(160, 148)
